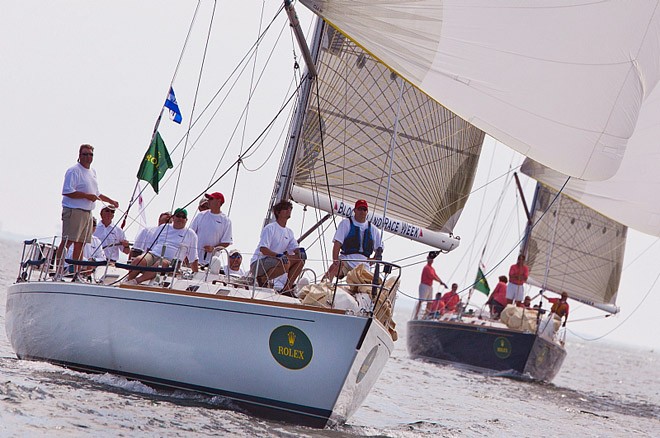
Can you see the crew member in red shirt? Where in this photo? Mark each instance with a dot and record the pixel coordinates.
(518, 274)
(435, 307)
(451, 298)
(497, 300)
(426, 284)
(560, 307)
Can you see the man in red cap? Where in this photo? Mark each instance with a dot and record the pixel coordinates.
(213, 228)
(355, 241)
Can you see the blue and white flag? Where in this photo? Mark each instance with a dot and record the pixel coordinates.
(170, 104)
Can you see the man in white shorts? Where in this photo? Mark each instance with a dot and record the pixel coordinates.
(518, 274)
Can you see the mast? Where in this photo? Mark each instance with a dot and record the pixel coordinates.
(284, 179)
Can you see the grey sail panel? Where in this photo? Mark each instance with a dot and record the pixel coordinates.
(575, 249)
(347, 133)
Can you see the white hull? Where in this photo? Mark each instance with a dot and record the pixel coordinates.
(206, 343)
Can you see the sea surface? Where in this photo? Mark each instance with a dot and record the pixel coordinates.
(603, 390)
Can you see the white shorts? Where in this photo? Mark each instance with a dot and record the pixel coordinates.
(515, 292)
(425, 292)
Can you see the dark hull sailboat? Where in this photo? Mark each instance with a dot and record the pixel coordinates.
(490, 350)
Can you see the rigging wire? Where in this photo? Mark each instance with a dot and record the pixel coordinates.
(517, 244)
(254, 143)
(211, 101)
(194, 105)
(160, 113)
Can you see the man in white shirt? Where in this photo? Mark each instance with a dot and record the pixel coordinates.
(172, 241)
(355, 239)
(79, 193)
(213, 228)
(143, 240)
(112, 237)
(278, 252)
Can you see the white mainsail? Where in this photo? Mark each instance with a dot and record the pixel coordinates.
(344, 153)
(574, 249)
(560, 81)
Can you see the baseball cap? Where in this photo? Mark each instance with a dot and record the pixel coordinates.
(215, 195)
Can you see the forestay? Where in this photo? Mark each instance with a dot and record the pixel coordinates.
(560, 81)
(347, 134)
(574, 249)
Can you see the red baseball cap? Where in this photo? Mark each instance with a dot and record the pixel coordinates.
(361, 203)
(215, 195)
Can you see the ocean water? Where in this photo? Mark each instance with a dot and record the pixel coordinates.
(603, 390)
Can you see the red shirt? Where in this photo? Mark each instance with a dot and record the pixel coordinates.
(436, 306)
(451, 299)
(499, 293)
(518, 274)
(428, 275)
(561, 309)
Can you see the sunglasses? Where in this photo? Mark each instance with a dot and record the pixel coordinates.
(108, 211)
(180, 216)
(235, 256)
(87, 154)
(362, 208)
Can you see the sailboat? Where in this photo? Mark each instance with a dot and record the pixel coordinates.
(570, 248)
(310, 362)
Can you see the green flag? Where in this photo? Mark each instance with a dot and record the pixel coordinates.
(480, 283)
(155, 163)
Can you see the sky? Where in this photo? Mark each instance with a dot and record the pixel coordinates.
(83, 71)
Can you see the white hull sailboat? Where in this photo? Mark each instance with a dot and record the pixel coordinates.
(277, 356)
(278, 359)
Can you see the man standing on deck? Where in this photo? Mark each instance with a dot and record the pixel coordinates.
(426, 284)
(518, 274)
(354, 242)
(213, 228)
(80, 191)
(277, 252)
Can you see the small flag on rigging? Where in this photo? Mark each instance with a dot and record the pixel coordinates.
(173, 106)
(155, 163)
(480, 283)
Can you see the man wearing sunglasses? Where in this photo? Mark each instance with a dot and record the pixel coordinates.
(112, 237)
(172, 241)
(79, 195)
